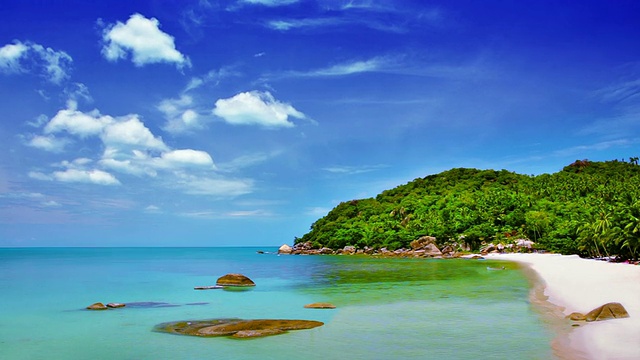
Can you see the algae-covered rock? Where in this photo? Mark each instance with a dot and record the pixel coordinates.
(234, 280)
(237, 328)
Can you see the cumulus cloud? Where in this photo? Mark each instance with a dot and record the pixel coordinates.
(78, 123)
(187, 157)
(131, 148)
(256, 108)
(143, 40)
(31, 57)
(77, 171)
(131, 133)
(95, 176)
(48, 143)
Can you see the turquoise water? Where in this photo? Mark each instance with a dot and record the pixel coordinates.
(387, 309)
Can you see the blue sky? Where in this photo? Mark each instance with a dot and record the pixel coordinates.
(239, 123)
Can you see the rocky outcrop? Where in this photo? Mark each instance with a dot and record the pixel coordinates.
(234, 280)
(285, 249)
(320, 305)
(115, 305)
(608, 311)
(236, 328)
(422, 242)
(97, 306)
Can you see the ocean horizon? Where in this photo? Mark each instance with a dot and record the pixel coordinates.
(386, 308)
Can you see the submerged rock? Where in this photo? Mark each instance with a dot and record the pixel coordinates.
(234, 280)
(237, 328)
(320, 305)
(97, 306)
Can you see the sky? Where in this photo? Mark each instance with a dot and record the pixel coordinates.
(241, 122)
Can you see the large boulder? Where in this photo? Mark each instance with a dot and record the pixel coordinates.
(607, 311)
(432, 250)
(234, 280)
(349, 250)
(285, 249)
(612, 310)
(235, 327)
(422, 242)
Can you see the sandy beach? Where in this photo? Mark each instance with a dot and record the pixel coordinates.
(580, 285)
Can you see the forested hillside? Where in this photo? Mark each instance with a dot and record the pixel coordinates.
(588, 208)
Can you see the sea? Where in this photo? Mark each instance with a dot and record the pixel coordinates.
(385, 308)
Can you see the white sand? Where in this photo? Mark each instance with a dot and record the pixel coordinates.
(582, 285)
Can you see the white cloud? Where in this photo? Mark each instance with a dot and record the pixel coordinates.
(131, 133)
(48, 143)
(10, 55)
(188, 157)
(78, 123)
(30, 57)
(256, 108)
(95, 176)
(56, 63)
(152, 209)
(143, 39)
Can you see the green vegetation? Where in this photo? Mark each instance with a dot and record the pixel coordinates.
(588, 208)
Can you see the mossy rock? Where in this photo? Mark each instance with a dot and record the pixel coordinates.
(236, 328)
(234, 280)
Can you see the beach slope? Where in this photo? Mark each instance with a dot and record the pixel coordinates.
(580, 285)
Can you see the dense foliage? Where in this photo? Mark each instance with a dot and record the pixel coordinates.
(588, 208)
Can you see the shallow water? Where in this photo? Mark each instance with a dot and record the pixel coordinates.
(387, 308)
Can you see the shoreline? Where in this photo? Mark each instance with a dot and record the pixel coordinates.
(562, 284)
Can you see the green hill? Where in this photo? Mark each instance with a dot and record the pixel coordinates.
(588, 208)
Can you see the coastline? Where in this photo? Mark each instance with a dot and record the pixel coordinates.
(567, 283)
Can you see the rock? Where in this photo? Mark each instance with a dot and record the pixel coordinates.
(115, 305)
(524, 244)
(432, 250)
(234, 280)
(612, 310)
(447, 250)
(208, 287)
(422, 242)
(349, 250)
(487, 248)
(235, 327)
(326, 251)
(97, 306)
(576, 316)
(285, 249)
(320, 305)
